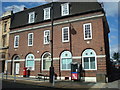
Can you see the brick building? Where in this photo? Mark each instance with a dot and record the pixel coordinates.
(80, 34)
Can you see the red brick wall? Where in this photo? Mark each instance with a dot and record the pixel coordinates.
(77, 45)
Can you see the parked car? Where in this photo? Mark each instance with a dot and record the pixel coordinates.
(117, 65)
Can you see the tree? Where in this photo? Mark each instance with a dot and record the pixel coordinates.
(116, 56)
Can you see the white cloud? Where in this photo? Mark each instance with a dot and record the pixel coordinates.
(114, 29)
(111, 8)
(15, 8)
(113, 37)
(113, 48)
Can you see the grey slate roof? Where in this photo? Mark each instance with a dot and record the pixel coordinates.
(20, 19)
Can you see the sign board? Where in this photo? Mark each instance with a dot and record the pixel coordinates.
(74, 75)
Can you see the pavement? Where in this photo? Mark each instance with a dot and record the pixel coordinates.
(65, 84)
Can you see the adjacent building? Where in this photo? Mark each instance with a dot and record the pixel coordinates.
(4, 38)
(80, 34)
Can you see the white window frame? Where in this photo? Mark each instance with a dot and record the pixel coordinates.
(62, 9)
(43, 59)
(90, 31)
(45, 36)
(45, 14)
(29, 20)
(15, 37)
(64, 58)
(89, 62)
(63, 34)
(33, 68)
(29, 39)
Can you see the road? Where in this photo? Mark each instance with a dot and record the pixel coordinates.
(10, 84)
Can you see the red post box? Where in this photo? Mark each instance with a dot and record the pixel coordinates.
(25, 72)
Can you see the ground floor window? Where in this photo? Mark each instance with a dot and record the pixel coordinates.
(30, 61)
(46, 61)
(66, 59)
(89, 60)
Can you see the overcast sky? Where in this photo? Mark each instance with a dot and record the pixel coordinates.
(111, 9)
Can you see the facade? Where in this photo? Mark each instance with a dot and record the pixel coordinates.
(4, 38)
(80, 34)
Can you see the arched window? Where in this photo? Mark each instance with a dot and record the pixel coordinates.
(46, 61)
(66, 59)
(89, 60)
(30, 61)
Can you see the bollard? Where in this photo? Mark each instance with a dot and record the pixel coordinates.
(6, 75)
(2, 75)
(14, 77)
(53, 80)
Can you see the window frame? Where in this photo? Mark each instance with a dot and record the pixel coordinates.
(61, 58)
(62, 9)
(16, 36)
(45, 9)
(43, 60)
(5, 27)
(45, 36)
(29, 17)
(89, 61)
(63, 34)
(90, 31)
(29, 39)
(33, 68)
(4, 40)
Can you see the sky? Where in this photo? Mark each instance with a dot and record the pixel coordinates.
(110, 7)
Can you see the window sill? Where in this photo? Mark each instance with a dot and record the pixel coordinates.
(88, 39)
(46, 43)
(90, 69)
(66, 70)
(45, 70)
(15, 47)
(65, 41)
(30, 45)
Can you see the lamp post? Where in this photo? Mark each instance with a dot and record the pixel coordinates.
(51, 68)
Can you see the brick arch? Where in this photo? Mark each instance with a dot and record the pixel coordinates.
(44, 53)
(15, 56)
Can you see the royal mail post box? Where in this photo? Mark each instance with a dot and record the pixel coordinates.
(25, 72)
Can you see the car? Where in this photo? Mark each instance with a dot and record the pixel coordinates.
(117, 65)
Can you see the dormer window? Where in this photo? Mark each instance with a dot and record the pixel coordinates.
(47, 13)
(65, 9)
(31, 17)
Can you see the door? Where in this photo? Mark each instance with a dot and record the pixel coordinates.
(17, 68)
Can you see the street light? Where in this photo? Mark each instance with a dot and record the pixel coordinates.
(51, 68)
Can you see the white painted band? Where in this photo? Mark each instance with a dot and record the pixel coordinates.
(57, 58)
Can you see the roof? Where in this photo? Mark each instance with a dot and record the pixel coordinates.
(20, 19)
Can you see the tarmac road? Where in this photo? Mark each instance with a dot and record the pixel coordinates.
(10, 84)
